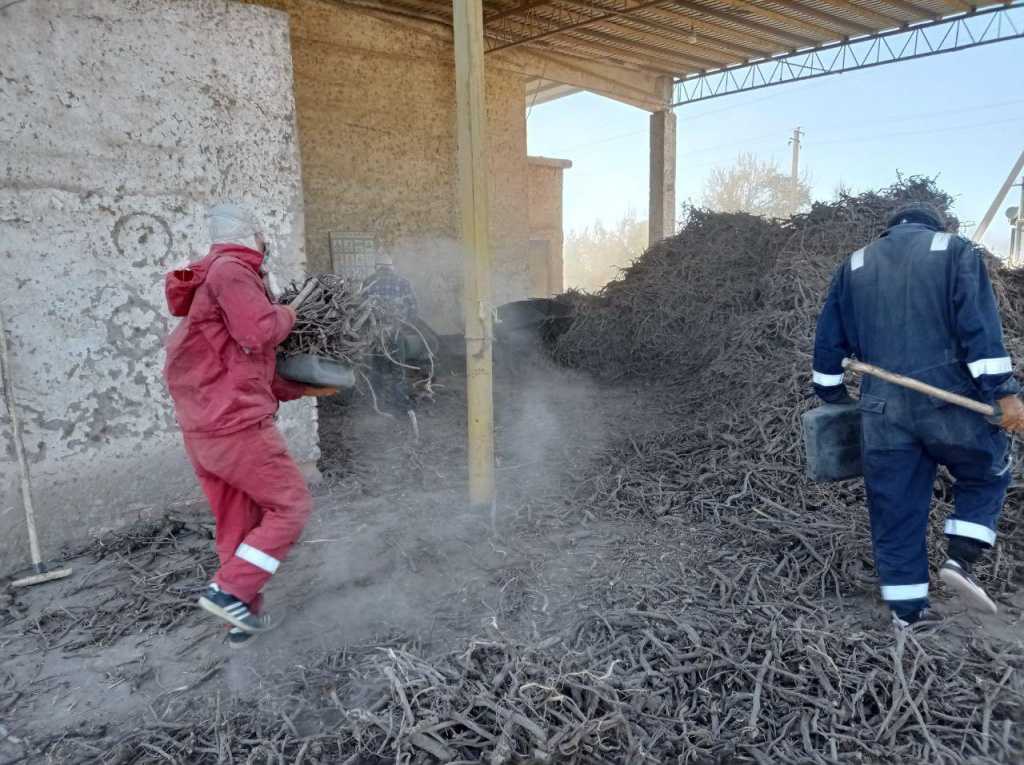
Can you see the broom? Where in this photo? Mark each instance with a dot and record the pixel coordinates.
(42, 574)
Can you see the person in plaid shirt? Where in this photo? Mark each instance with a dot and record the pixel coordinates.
(387, 370)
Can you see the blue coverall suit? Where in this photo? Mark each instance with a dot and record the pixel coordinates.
(919, 302)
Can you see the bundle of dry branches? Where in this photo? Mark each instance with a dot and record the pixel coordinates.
(339, 321)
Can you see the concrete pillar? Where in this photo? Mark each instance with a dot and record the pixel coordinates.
(662, 220)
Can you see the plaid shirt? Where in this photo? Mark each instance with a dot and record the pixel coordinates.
(387, 286)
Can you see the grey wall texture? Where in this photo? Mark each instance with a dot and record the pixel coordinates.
(378, 135)
(120, 124)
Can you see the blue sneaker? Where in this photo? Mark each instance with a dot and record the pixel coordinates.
(922, 619)
(237, 638)
(232, 610)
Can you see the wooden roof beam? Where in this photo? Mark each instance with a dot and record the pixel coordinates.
(677, 36)
(651, 63)
(723, 53)
(960, 5)
(911, 8)
(603, 14)
(793, 39)
(674, 60)
(831, 21)
(632, 12)
(883, 21)
(654, 50)
(757, 42)
(820, 33)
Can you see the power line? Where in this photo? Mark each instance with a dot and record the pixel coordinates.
(903, 134)
(821, 128)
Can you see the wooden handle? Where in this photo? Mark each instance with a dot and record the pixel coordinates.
(306, 291)
(920, 387)
(19, 448)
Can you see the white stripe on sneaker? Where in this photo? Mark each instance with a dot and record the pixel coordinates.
(258, 558)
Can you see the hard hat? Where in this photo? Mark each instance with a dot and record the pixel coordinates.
(385, 261)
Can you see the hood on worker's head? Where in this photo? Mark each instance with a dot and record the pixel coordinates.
(181, 284)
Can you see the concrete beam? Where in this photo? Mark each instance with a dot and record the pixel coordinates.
(544, 91)
(618, 83)
(662, 216)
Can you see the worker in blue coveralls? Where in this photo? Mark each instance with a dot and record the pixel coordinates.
(919, 302)
(387, 368)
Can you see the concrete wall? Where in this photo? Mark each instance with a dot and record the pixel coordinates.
(121, 123)
(377, 131)
(546, 234)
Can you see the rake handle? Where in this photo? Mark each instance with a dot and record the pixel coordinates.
(19, 449)
(929, 390)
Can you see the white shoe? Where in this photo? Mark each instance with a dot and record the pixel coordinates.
(962, 581)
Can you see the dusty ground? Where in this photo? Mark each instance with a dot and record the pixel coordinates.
(392, 555)
(391, 558)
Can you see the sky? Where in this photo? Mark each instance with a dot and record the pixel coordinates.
(958, 117)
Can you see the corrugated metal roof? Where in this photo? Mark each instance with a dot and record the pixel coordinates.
(684, 37)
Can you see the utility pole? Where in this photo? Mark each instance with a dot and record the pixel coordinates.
(1016, 246)
(794, 191)
(979, 232)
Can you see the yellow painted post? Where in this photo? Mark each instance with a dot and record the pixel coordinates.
(476, 291)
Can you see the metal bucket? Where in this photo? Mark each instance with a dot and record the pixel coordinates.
(832, 441)
(319, 371)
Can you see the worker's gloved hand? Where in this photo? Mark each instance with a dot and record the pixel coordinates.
(1012, 414)
(292, 312)
(311, 392)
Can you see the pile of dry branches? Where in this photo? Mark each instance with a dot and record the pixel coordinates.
(157, 572)
(338, 320)
(773, 650)
(739, 679)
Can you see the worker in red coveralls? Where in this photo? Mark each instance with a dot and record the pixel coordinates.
(220, 370)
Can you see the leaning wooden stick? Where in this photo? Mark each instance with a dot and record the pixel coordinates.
(929, 390)
(42, 573)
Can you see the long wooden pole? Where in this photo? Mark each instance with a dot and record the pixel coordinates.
(920, 387)
(19, 450)
(476, 293)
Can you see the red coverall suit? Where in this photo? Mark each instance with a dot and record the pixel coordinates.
(220, 370)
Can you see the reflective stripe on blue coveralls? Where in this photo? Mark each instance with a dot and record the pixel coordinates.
(919, 302)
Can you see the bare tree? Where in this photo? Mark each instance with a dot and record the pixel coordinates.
(756, 186)
(594, 255)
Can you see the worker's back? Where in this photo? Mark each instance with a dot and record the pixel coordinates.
(919, 302)
(897, 303)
